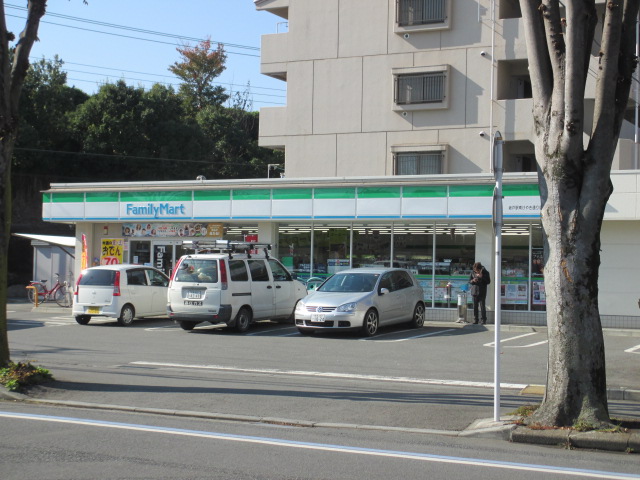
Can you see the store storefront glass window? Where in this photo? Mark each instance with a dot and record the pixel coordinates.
(515, 266)
(294, 248)
(538, 294)
(331, 250)
(454, 257)
(242, 233)
(371, 244)
(413, 250)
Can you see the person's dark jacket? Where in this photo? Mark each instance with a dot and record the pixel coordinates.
(479, 282)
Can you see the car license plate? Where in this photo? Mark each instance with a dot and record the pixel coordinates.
(194, 294)
(317, 317)
(93, 310)
(193, 303)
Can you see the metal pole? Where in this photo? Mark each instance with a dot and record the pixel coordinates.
(497, 225)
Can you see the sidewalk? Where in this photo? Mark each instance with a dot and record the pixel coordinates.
(505, 429)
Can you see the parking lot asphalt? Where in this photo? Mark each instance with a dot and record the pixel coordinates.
(507, 428)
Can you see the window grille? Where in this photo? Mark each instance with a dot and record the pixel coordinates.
(416, 163)
(420, 88)
(420, 12)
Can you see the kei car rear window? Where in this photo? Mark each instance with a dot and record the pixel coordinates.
(103, 278)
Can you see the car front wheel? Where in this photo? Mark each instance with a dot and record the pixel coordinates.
(126, 315)
(370, 323)
(417, 321)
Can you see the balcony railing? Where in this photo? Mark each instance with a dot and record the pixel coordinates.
(420, 12)
(420, 88)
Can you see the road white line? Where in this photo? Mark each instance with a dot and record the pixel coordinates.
(635, 349)
(350, 376)
(411, 337)
(326, 447)
(527, 346)
(268, 332)
(509, 339)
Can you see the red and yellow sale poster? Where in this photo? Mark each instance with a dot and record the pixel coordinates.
(112, 249)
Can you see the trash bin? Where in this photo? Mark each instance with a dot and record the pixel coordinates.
(462, 307)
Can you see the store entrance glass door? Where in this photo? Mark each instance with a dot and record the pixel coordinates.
(166, 254)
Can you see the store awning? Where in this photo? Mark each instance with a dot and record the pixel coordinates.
(50, 239)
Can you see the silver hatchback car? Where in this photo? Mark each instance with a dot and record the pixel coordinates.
(362, 298)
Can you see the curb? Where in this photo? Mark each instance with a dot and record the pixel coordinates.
(505, 429)
(613, 393)
(613, 442)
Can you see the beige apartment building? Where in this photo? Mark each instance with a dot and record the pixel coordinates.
(393, 87)
(387, 131)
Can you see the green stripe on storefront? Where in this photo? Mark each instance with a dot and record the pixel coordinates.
(424, 192)
(67, 197)
(292, 194)
(179, 196)
(102, 197)
(379, 192)
(521, 190)
(471, 191)
(260, 194)
(212, 195)
(46, 197)
(334, 193)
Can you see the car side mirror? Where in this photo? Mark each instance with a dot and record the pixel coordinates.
(384, 291)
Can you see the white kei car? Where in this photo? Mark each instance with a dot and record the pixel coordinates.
(122, 291)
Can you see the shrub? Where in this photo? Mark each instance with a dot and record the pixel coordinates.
(19, 375)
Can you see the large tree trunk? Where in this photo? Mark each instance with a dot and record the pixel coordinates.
(576, 376)
(12, 75)
(575, 185)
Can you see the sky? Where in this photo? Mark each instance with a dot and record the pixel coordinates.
(136, 40)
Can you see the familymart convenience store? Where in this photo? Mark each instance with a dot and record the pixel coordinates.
(436, 227)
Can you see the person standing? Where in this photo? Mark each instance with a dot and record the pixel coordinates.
(479, 279)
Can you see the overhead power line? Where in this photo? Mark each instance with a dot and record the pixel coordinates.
(133, 29)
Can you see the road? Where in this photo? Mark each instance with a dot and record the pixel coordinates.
(438, 378)
(70, 444)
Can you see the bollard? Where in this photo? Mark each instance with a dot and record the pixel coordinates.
(462, 307)
(35, 294)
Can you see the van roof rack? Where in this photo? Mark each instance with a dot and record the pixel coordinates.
(229, 246)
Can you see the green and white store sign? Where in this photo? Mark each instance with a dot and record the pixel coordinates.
(370, 202)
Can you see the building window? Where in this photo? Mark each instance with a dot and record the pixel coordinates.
(420, 88)
(419, 163)
(420, 12)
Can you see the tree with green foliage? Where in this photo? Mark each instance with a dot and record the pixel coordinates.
(122, 130)
(14, 65)
(575, 184)
(199, 67)
(44, 149)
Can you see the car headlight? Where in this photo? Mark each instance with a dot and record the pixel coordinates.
(300, 307)
(347, 307)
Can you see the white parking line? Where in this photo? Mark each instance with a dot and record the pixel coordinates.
(491, 344)
(352, 376)
(635, 349)
(270, 331)
(409, 338)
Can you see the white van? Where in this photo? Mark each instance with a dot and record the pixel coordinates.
(232, 288)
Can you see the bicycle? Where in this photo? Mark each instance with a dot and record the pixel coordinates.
(60, 292)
